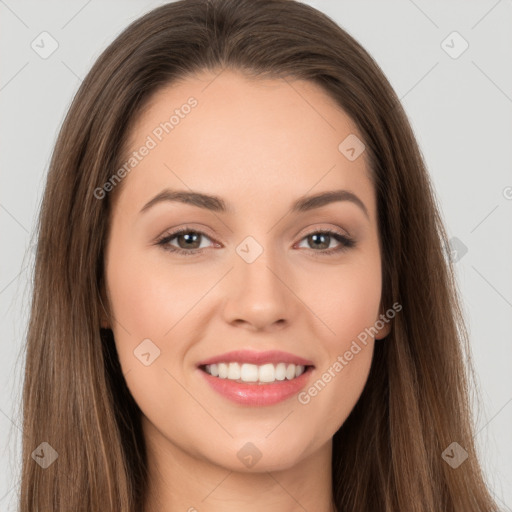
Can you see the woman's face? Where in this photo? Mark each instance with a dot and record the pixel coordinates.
(258, 288)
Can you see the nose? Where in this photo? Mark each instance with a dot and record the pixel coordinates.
(259, 295)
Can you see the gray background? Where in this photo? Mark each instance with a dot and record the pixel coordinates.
(461, 112)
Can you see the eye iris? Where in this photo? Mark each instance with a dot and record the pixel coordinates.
(317, 236)
(191, 239)
(190, 236)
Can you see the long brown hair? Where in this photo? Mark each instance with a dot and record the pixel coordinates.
(387, 456)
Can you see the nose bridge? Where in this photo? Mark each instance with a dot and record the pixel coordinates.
(258, 294)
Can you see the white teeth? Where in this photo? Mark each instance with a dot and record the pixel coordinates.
(290, 371)
(249, 373)
(223, 370)
(234, 371)
(280, 371)
(253, 373)
(267, 373)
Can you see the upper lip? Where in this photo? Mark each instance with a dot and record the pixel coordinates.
(257, 358)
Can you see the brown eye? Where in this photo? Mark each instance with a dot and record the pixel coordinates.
(320, 242)
(188, 241)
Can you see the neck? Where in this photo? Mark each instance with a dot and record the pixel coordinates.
(182, 481)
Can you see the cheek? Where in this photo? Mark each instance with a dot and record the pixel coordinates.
(148, 301)
(153, 299)
(347, 300)
(149, 297)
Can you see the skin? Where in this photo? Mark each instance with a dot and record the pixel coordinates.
(259, 145)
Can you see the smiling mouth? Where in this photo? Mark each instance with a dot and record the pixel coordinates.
(245, 373)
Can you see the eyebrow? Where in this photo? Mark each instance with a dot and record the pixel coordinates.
(217, 204)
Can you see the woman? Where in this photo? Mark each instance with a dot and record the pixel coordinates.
(306, 354)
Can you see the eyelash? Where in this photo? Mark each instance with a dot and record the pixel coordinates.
(346, 242)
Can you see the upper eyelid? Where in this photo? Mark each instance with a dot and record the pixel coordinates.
(172, 235)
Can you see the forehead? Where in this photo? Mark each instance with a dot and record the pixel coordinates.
(246, 138)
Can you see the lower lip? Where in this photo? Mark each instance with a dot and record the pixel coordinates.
(257, 394)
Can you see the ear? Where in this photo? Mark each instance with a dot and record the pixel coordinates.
(385, 322)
